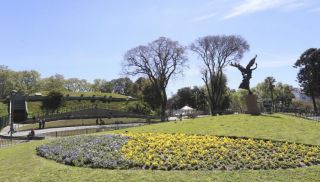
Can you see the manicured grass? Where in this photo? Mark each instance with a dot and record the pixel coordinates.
(20, 162)
(276, 127)
(83, 122)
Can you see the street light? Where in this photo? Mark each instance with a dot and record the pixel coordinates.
(11, 103)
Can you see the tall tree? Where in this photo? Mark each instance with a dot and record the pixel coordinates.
(55, 82)
(216, 53)
(193, 97)
(281, 93)
(309, 73)
(6, 81)
(270, 84)
(122, 86)
(77, 85)
(159, 61)
(101, 85)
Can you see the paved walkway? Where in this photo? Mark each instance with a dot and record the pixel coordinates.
(51, 130)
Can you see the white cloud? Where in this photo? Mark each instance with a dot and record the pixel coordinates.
(205, 17)
(252, 6)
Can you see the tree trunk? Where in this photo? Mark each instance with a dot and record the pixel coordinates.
(272, 100)
(163, 104)
(314, 102)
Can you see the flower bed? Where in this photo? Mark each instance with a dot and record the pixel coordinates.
(178, 152)
(87, 151)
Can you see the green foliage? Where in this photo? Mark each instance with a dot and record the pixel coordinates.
(3, 109)
(55, 82)
(217, 92)
(194, 97)
(216, 53)
(309, 75)
(281, 93)
(303, 105)
(139, 108)
(54, 101)
(25, 82)
(238, 101)
(77, 85)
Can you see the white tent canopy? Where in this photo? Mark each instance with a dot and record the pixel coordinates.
(187, 108)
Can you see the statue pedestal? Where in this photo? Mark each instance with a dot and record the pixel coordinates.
(252, 106)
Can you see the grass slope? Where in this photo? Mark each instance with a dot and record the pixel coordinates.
(276, 127)
(20, 163)
(34, 108)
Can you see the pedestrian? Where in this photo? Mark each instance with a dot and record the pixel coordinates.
(181, 117)
(31, 133)
(110, 115)
(43, 123)
(40, 123)
(101, 121)
(97, 121)
(34, 119)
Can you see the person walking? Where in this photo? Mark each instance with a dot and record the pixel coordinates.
(43, 123)
(40, 123)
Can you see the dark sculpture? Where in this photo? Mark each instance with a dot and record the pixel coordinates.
(246, 73)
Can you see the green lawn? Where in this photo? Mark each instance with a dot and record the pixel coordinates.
(83, 122)
(20, 163)
(276, 127)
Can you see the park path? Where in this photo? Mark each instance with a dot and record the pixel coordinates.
(51, 130)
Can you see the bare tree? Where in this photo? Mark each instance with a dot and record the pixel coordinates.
(217, 52)
(159, 61)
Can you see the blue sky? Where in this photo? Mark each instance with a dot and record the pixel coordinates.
(87, 39)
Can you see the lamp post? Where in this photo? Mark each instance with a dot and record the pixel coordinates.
(11, 103)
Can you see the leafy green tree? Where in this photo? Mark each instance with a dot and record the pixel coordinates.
(77, 85)
(53, 101)
(101, 85)
(159, 61)
(122, 86)
(309, 73)
(27, 82)
(7, 82)
(269, 81)
(139, 108)
(217, 52)
(281, 93)
(237, 100)
(194, 97)
(55, 82)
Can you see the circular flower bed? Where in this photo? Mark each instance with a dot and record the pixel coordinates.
(178, 152)
(88, 151)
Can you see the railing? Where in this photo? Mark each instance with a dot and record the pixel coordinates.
(71, 113)
(4, 142)
(66, 133)
(4, 121)
(301, 113)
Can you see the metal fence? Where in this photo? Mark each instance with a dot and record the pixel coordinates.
(301, 113)
(66, 133)
(4, 121)
(4, 142)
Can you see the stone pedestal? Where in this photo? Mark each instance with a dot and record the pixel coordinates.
(252, 105)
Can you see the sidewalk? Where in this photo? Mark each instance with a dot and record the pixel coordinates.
(50, 130)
